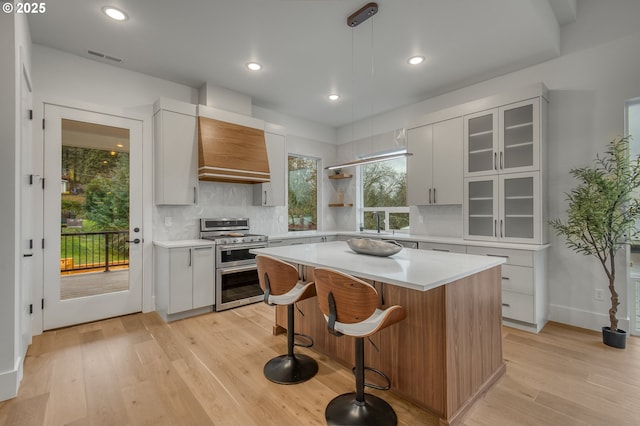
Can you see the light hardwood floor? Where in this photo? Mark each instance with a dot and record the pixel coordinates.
(208, 370)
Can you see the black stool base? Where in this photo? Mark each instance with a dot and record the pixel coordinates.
(345, 410)
(287, 369)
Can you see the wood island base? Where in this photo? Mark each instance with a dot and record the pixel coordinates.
(442, 357)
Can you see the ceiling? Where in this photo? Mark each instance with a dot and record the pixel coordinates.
(308, 51)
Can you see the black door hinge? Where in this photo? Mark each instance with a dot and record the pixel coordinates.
(30, 114)
(31, 308)
(42, 304)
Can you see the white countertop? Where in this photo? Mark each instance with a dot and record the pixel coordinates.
(416, 269)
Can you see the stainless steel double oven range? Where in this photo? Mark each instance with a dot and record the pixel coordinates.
(236, 272)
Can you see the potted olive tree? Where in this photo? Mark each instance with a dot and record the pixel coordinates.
(601, 218)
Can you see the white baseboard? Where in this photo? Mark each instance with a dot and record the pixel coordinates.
(10, 381)
(584, 319)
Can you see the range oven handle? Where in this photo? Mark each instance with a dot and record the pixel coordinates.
(232, 269)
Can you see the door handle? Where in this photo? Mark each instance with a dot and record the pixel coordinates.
(136, 241)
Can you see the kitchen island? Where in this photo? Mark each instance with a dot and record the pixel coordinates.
(448, 350)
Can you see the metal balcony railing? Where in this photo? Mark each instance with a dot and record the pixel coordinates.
(93, 250)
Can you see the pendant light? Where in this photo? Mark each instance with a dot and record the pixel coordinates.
(358, 17)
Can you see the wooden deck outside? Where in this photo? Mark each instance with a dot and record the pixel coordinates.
(93, 283)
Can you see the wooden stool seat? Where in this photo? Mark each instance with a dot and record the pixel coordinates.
(279, 281)
(351, 308)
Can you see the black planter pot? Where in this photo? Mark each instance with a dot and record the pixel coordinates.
(615, 339)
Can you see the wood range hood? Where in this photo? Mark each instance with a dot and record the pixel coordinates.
(229, 152)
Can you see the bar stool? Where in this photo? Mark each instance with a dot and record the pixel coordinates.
(279, 281)
(350, 307)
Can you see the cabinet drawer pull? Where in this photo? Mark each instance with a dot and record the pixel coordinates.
(444, 250)
(203, 248)
(506, 278)
(506, 305)
(497, 255)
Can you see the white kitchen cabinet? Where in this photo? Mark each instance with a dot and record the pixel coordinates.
(272, 193)
(448, 248)
(506, 139)
(525, 300)
(434, 171)
(184, 279)
(175, 153)
(504, 208)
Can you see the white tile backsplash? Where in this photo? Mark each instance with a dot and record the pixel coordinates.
(217, 199)
(436, 221)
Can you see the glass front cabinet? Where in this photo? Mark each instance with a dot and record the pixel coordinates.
(503, 140)
(503, 152)
(503, 208)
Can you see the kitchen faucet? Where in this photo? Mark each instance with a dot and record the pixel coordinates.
(377, 215)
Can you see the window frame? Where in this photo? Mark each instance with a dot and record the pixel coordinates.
(318, 163)
(387, 210)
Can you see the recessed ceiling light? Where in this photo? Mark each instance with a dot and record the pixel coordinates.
(254, 66)
(334, 97)
(114, 13)
(416, 60)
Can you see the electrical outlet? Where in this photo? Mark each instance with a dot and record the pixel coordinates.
(598, 294)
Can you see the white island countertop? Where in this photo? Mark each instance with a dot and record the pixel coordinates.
(411, 268)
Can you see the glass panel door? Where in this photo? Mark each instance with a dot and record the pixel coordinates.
(93, 213)
(480, 142)
(519, 136)
(481, 208)
(518, 207)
